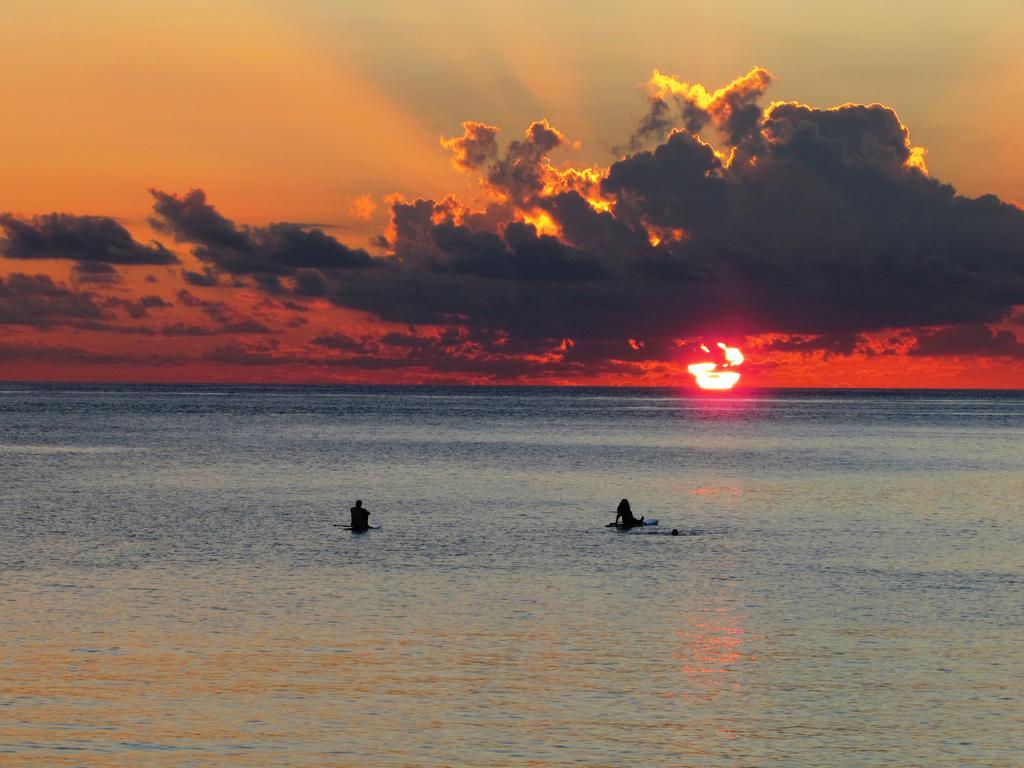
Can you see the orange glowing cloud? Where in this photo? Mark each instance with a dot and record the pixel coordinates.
(362, 207)
(718, 103)
(523, 175)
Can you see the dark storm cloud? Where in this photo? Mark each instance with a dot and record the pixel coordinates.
(735, 110)
(543, 257)
(79, 238)
(679, 184)
(412, 222)
(654, 126)
(187, 329)
(827, 228)
(851, 237)
(854, 135)
(228, 319)
(521, 255)
(245, 325)
(969, 341)
(592, 351)
(455, 353)
(830, 345)
(267, 253)
(345, 343)
(595, 231)
(518, 174)
(189, 219)
(63, 353)
(189, 299)
(288, 247)
(137, 308)
(95, 272)
(205, 279)
(58, 353)
(37, 301)
(409, 340)
(309, 282)
(238, 354)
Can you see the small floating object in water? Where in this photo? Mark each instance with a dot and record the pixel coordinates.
(675, 531)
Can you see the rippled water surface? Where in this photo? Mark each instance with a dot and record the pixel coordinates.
(175, 589)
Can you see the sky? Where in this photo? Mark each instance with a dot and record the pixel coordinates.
(571, 193)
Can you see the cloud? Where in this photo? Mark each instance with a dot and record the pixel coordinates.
(247, 325)
(309, 282)
(345, 343)
(828, 226)
(969, 341)
(408, 340)
(79, 238)
(453, 354)
(732, 109)
(189, 219)
(654, 126)
(96, 273)
(59, 353)
(819, 226)
(476, 148)
(228, 318)
(205, 279)
(679, 184)
(71, 354)
(520, 173)
(187, 329)
(851, 136)
(267, 253)
(38, 301)
(522, 255)
(138, 308)
(830, 345)
(240, 354)
(362, 207)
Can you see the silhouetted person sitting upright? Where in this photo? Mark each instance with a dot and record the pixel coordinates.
(360, 516)
(626, 514)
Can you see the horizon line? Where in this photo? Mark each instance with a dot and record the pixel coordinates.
(495, 385)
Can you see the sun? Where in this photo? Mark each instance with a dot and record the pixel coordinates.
(710, 375)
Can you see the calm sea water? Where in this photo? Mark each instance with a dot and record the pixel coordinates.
(175, 591)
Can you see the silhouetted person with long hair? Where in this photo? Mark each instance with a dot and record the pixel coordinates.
(360, 516)
(626, 514)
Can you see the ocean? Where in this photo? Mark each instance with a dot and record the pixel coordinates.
(176, 588)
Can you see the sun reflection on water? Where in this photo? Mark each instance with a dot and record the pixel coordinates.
(711, 651)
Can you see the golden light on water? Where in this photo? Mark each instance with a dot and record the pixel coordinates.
(711, 375)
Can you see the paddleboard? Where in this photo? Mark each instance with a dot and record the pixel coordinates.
(648, 521)
(357, 530)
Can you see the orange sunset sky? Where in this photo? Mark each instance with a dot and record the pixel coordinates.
(570, 193)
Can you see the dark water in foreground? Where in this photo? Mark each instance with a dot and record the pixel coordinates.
(173, 589)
